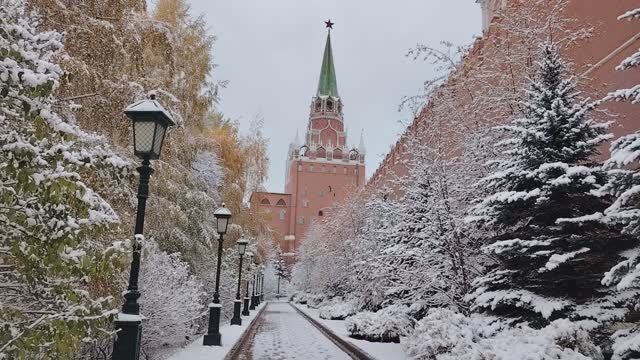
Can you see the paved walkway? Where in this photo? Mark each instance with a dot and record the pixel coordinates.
(282, 334)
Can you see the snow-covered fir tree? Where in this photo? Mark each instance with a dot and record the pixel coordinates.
(624, 185)
(280, 265)
(549, 256)
(624, 182)
(54, 263)
(414, 255)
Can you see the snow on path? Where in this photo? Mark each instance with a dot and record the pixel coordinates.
(230, 335)
(380, 351)
(283, 334)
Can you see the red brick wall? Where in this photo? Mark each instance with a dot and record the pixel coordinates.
(595, 58)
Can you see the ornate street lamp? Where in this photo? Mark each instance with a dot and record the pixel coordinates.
(150, 124)
(213, 337)
(237, 303)
(245, 307)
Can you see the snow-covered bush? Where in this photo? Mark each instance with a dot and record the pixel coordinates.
(447, 335)
(299, 297)
(626, 344)
(172, 299)
(386, 325)
(315, 300)
(337, 309)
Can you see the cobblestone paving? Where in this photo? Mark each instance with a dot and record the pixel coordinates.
(283, 334)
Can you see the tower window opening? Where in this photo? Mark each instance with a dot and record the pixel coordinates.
(265, 201)
(320, 213)
(321, 153)
(281, 203)
(329, 105)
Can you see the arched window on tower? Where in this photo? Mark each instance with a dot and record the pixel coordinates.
(281, 203)
(265, 201)
(320, 213)
(337, 154)
(353, 154)
(329, 105)
(317, 105)
(321, 153)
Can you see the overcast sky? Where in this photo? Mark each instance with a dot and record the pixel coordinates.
(271, 51)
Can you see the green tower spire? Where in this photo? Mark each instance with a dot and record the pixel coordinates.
(328, 86)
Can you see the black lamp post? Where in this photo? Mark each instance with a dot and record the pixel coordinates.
(253, 292)
(213, 336)
(150, 124)
(258, 279)
(262, 284)
(245, 307)
(237, 303)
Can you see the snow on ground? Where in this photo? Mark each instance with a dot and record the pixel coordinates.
(281, 334)
(230, 336)
(380, 351)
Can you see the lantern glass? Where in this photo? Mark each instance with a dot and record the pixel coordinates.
(143, 132)
(150, 124)
(242, 246)
(222, 224)
(159, 138)
(222, 215)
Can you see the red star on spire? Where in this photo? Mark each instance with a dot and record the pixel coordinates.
(329, 24)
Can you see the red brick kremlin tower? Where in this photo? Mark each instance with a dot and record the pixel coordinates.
(321, 170)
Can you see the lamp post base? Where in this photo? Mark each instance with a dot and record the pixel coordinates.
(236, 319)
(129, 335)
(213, 337)
(245, 309)
(253, 303)
(212, 340)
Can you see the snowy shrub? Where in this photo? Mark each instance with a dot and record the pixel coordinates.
(337, 309)
(446, 335)
(299, 297)
(315, 300)
(386, 325)
(626, 344)
(172, 299)
(443, 334)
